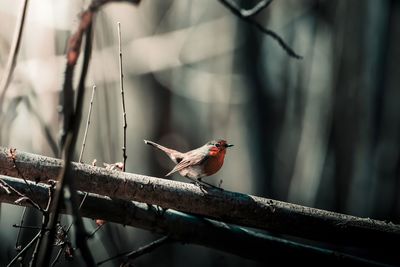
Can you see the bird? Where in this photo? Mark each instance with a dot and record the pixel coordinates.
(197, 163)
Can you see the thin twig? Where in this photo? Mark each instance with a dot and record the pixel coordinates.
(24, 250)
(13, 157)
(87, 124)
(26, 226)
(140, 251)
(45, 220)
(235, 9)
(12, 58)
(96, 230)
(57, 258)
(22, 196)
(19, 230)
(121, 81)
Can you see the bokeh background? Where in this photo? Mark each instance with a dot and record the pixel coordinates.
(323, 131)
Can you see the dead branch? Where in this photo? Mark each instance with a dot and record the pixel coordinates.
(87, 125)
(121, 83)
(247, 16)
(66, 183)
(193, 229)
(238, 208)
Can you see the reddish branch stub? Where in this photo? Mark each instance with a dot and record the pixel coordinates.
(74, 43)
(86, 18)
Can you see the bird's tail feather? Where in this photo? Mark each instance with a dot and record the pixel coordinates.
(174, 155)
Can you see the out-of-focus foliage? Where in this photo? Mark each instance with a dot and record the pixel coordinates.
(323, 131)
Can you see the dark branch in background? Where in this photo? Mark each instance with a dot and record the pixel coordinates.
(247, 16)
(66, 189)
(201, 231)
(131, 255)
(121, 82)
(232, 207)
(87, 124)
(17, 246)
(12, 57)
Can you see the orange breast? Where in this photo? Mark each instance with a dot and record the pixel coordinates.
(214, 163)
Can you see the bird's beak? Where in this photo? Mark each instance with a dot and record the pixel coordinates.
(229, 145)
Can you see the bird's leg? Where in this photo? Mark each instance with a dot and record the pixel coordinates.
(210, 185)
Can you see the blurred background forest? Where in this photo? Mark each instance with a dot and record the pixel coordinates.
(323, 131)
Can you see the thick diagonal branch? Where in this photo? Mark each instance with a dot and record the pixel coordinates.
(241, 209)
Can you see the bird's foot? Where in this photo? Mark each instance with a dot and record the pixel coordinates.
(201, 186)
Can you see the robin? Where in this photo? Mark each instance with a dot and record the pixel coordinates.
(197, 163)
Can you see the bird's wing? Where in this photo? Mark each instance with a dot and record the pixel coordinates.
(189, 160)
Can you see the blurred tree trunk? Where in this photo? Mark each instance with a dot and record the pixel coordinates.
(350, 117)
(387, 151)
(264, 114)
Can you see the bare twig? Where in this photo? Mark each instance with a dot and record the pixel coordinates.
(13, 155)
(24, 250)
(140, 251)
(260, 6)
(26, 226)
(96, 230)
(57, 258)
(21, 196)
(12, 57)
(87, 124)
(43, 229)
(121, 82)
(246, 16)
(17, 246)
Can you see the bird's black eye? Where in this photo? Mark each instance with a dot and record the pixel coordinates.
(217, 145)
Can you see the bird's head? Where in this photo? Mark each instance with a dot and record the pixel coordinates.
(216, 147)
